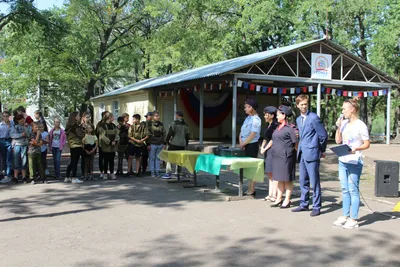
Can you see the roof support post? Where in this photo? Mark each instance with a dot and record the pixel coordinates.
(388, 108)
(175, 102)
(234, 111)
(319, 99)
(201, 121)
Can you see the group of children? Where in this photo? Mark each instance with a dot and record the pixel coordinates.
(24, 144)
(23, 147)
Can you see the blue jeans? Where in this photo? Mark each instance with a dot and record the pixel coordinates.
(20, 157)
(349, 175)
(57, 160)
(154, 161)
(6, 155)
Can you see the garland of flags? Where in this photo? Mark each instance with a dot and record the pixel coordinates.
(276, 90)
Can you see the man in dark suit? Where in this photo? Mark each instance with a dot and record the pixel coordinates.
(313, 139)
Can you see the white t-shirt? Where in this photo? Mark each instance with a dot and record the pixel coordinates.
(44, 146)
(56, 138)
(354, 136)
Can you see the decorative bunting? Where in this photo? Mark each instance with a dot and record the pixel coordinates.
(277, 90)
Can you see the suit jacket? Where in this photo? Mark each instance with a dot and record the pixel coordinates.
(313, 137)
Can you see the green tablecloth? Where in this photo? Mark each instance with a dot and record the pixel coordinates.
(182, 158)
(253, 169)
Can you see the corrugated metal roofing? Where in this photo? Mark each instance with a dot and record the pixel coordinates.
(211, 70)
(226, 66)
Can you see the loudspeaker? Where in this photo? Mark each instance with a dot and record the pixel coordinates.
(386, 178)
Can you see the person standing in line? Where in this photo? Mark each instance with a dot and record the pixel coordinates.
(177, 139)
(109, 138)
(145, 155)
(270, 118)
(35, 155)
(283, 146)
(75, 135)
(101, 154)
(57, 140)
(122, 144)
(249, 136)
(137, 135)
(20, 134)
(45, 141)
(38, 115)
(312, 146)
(6, 146)
(353, 132)
(85, 122)
(90, 144)
(28, 120)
(157, 137)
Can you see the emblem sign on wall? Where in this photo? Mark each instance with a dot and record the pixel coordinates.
(321, 66)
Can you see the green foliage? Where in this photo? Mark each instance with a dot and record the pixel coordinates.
(69, 51)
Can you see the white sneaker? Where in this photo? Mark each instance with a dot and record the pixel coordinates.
(67, 180)
(104, 176)
(101, 175)
(350, 224)
(47, 172)
(76, 181)
(113, 177)
(5, 180)
(341, 221)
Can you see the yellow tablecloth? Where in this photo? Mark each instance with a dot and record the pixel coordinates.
(182, 158)
(253, 169)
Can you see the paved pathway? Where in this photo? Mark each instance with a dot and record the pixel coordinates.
(148, 222)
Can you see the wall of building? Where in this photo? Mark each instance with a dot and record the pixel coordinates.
(143, 101)
(131, 103)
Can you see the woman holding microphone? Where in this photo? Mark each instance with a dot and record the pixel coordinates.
(352, 132)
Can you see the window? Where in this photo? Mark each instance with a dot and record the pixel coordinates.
(115, 108)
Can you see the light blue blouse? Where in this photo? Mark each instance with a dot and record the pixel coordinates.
(251, 124)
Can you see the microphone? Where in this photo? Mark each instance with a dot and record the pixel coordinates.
(341, 117)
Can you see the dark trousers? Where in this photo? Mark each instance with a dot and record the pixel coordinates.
(73, 165)
(88, 164)
(309, 174)
(44, 159)
(121, 156)
(109, 161)
(83, 162)
(101, 160)
(145, 159)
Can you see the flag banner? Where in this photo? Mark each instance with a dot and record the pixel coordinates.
(245, 85)
(365, 94)
(258, 88)
(333, 92)
(292, 90)
(310, 89)
(264, 89)
(275, 90)
(252, 87)
(240, 83)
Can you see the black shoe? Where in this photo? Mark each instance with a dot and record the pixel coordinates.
(118, 173)
(252, 194)
(277, 204)
(286, 206)
(138, 174)
(299, 209)
(315, 213)
(15, 180)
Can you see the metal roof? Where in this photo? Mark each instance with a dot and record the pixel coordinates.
(211, 70)
(227, 66)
